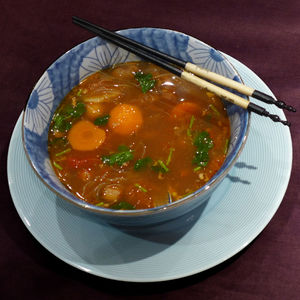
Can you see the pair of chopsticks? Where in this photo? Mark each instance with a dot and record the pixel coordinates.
(189, 72)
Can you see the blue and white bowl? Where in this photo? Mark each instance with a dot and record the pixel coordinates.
(87, 58)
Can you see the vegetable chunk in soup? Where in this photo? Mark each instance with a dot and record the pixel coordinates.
(135, 136)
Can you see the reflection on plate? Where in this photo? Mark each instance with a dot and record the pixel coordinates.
(236, 213)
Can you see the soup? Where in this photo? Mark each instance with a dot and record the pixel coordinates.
(135, 136)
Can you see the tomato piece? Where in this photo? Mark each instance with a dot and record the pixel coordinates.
(186, 108)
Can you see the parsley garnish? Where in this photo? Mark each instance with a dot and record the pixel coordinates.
(123, 155)
(122, 205)
(62, 122)
(102, 120)
(64, 118)
(142, 163)
(203, 143)
(145, 80)
(78, 110)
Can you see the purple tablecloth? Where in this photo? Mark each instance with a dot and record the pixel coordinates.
(264, 35)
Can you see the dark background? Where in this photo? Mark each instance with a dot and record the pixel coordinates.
(264, 35)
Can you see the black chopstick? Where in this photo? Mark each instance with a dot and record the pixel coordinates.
(164, 61)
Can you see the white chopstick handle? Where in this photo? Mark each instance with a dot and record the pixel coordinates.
(235, 99)
(219, 79)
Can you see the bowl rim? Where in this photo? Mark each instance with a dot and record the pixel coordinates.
(149, 211)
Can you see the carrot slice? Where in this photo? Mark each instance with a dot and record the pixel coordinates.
(125, 119)
(185, 108)
(85, 136)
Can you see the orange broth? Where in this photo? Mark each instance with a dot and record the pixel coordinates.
(114, 145)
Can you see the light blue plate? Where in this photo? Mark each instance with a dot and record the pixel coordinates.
(237, 212)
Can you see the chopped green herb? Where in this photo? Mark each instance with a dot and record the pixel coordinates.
(63, 119)
(140, 188)
(203, 139)
(197, 168)
(189, 130)
(61, 123)
(59, 142)
(79, 93)
(203, 143)
(201, 158)
(102, 120)
(63, 152)
(56, 165)
(214, 109)
(142, 163)
(122, 205)
(145, 80)
(123, 155)
(161, 163)
(159, 166)
(78, 110)
(100, 204)
(170, 156)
